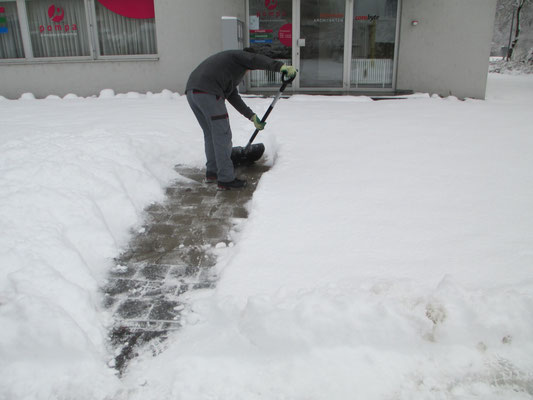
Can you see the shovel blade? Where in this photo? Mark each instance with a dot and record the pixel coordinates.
(241, 156)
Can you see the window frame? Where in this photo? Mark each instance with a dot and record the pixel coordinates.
(22, 31)
(94, 44)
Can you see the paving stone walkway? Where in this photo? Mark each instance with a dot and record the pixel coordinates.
(171, 255)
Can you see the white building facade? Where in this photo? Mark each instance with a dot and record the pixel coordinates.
(378, 47)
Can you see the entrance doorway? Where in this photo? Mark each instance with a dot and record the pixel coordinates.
(321, 45)
(336, 45)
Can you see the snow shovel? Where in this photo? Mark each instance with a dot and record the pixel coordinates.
(252, 152)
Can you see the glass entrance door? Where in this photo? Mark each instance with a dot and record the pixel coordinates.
(322, 54)
(335, 44)
(373, 43)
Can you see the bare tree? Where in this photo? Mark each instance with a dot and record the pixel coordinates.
(515, 23)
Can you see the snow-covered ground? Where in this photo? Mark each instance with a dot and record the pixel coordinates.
(388, 253)
(499, 65)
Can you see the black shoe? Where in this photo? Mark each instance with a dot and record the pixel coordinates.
(234, 184)
(210, 177)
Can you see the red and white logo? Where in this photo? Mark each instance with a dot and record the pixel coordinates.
(271, 4)
(56, 13)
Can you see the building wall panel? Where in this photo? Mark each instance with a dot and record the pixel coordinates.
(447, 51)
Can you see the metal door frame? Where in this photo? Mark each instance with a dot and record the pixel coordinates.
(348, 26)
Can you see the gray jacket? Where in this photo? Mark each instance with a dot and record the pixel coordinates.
(221, 73)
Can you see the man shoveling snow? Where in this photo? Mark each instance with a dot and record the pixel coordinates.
(209, 85)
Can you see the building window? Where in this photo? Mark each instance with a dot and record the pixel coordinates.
(373, 43)
(126, 28)
(10, 38)
(270, 30)
(58, 29)
(37, 29)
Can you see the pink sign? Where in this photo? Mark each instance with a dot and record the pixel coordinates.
(271, 4)
(139, 9)
(285, 35)
(56, 14)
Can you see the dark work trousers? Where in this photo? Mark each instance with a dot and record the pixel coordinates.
(212, 115)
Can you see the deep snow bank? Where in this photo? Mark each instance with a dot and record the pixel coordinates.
(75, 175)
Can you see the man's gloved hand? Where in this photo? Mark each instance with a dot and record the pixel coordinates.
(289, 70)
(257, 122)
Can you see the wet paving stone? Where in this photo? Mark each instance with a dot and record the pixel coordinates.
(172, 254)
(155, 272)
(121, 286)
(134, 308)
(165, 311)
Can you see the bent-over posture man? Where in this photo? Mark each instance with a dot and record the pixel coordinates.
(210, 84)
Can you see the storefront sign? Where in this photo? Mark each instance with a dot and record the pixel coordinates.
(65, 29)
(366, 17)
(265, 14)
(261, 36)
(3, 20)
(56, 14)
(285, 35)
(139, 9)
(57, 27)
(329, 17)
(271, 11)
(271, 4)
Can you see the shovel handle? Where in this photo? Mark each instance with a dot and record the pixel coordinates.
(284, 83)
